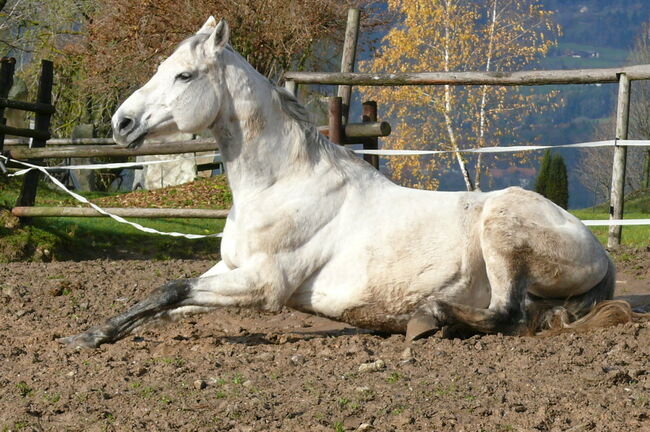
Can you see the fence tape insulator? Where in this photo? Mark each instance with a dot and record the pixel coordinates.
(387, 152)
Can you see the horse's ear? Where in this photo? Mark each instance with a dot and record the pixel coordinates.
(220, 36)
(208, 27)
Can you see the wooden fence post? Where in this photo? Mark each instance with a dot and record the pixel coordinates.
(620, 159)
(7, 66)
(42, 124)
(348, 59)
(335, 119)
(369, 114)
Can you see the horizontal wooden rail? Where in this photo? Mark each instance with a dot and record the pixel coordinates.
(162, 213)
(97, 141)
(361, 130)
(81, 151)
(63, 141)
(27, 106)
(576, 76)
(24, 132)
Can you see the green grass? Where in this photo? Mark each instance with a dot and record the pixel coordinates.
(637, 206)
(92, 238)
(631, 235)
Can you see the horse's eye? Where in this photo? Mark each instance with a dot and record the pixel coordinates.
(184, 76)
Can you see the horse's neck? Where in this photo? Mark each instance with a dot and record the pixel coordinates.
(259, 142)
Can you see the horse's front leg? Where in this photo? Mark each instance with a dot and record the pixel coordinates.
(258, 285)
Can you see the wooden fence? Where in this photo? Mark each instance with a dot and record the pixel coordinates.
(623, 76)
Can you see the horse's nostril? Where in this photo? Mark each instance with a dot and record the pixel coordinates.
(125, 125)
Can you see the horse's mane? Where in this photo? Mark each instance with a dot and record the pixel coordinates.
(316, 144)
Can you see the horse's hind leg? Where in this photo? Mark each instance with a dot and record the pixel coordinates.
(505, 259)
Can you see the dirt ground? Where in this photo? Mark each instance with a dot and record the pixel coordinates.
(248, 371)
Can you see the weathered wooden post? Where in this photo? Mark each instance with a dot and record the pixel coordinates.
(42, 125)
(620, 159)
(369, 114)
(7, 67)
(348, 59)
(335, 119)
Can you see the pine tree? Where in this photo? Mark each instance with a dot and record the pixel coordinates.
(558, 182)
(542, 178)
(552, 181)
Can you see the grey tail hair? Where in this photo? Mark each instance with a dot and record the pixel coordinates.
(593, 309)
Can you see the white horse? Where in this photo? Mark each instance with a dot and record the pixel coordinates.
(315, 228)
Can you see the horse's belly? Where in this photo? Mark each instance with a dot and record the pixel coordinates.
(385, 300)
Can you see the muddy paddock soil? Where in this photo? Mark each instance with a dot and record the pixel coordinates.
(249, 371)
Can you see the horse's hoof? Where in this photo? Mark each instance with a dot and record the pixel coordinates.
(91, 338)
(421, 325)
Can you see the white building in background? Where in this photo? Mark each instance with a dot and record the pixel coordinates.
(167, 174)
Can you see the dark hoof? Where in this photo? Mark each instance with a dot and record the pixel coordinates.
(421, 325)
(91, 338)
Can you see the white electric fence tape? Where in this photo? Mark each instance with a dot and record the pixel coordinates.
(512, 149)
(101, 210)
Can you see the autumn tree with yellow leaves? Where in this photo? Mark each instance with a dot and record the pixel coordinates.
(456, 35)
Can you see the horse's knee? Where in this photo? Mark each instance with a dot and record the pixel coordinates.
(171, 293)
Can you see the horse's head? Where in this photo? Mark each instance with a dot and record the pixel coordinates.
(184, 95)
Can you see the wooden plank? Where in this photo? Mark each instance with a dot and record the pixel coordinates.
(24, 132)
(360, 130)
(27, 106)
(19, 152)
(577, 76)
(369, 114)
(27, 195)
(162, 213)
(348, 59)
(99, 141)
(334, 116)
(620, 159)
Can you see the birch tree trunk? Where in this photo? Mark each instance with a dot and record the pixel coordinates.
(448, 107)
(481, 136)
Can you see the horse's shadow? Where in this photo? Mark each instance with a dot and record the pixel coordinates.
(257, 338)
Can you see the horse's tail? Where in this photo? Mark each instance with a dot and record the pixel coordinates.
(593, 309)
